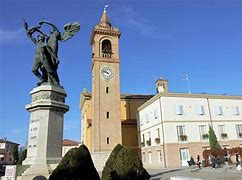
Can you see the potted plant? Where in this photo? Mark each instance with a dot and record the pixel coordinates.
(142, 144)
(224, 135)
(205, 136)
(240, 134)
(157, 140)
(183, 137)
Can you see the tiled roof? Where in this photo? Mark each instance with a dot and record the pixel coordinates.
(67, 142)
(7, 141)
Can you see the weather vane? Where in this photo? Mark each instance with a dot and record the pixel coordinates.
(105, 7)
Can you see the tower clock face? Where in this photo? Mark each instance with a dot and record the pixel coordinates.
(107, 72)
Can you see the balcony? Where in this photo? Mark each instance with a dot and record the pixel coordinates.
(157, 140)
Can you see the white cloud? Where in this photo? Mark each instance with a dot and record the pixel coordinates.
(12, 36)
(142, 25)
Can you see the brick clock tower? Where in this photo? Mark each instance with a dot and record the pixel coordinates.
(106, 123)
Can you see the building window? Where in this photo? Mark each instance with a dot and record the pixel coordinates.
(159, 156)
(106, 89)
(222, 132)
(107, 115)
(238, 128)
(219, 110)
(236, 110)
(150, 157)
(2, 158)
(156, 113)
(203, 132)
(181, 134)
(148, 142)
(143, 157)
(107, 140)
(206, 148)
(200, 110)
(143, 140)
(179, 110)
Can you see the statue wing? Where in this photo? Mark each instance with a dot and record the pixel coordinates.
(70, 30)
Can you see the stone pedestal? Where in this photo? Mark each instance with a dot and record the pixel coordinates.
(45, 128)
(99, 159)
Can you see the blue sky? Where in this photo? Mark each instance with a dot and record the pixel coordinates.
(160, 38)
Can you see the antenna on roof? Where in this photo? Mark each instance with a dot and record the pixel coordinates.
(186, 78)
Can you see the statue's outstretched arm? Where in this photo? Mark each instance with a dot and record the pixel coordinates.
(52, 25)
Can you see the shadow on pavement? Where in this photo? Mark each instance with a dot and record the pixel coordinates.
(162, 173)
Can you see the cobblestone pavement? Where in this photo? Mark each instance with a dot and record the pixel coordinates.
(204, 173)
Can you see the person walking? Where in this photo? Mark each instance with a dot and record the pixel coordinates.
(198, 161)
(226, 162)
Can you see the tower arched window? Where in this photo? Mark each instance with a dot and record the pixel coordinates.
(106, 47)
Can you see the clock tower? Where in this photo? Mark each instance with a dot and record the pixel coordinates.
(106, 123)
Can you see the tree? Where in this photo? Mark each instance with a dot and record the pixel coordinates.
(213, 139)
(76, 165)
(14, 152)
(124, 164)
(22, 157)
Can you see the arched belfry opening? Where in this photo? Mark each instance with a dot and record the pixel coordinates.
(106, 48)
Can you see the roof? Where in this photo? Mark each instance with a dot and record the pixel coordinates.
(185, 95)
(67, 142)
(7, 141)
(88, 96)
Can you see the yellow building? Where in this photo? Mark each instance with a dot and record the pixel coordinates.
(108, 118)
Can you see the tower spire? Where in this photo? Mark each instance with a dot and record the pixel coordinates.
(104, 19)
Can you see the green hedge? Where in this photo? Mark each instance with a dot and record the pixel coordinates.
(76, 165)
(124, 164)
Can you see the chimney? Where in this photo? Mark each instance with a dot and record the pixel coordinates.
(161, 85)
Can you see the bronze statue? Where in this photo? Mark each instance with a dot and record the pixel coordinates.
(46, 54)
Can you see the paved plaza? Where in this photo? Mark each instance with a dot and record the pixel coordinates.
(204, 174)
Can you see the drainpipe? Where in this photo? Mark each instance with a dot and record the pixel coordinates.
(209, 111)
(163, 134)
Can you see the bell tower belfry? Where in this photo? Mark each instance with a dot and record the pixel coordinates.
(106, 123)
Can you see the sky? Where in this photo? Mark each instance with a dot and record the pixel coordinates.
(160, 38)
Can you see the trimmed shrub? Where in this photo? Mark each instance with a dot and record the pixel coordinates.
(124, 164)
(76, 165)
(213, 139)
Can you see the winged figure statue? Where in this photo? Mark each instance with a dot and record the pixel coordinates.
(46, 55)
